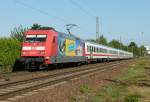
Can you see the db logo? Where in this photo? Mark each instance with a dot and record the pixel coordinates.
(32, 48)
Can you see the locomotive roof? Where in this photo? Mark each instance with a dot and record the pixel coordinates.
(71, 36)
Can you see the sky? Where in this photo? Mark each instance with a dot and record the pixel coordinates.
(125, 19)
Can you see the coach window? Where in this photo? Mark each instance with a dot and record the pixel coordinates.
(88, 49)
(97, 50)
(101, 50)
(105, 51)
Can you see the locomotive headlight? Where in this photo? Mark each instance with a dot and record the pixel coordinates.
(47, 57)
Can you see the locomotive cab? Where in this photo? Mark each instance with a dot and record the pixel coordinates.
(37, 48)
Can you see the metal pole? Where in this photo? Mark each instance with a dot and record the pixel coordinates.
(120, 42)
(97, 28)
(142, 43)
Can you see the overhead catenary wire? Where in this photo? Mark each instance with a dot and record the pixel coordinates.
(40, 11)
(90, 9)
(81, 8)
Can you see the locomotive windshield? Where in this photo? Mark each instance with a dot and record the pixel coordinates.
(35, 38)
(41, 38)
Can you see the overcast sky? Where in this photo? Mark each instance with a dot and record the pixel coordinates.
(118, 18)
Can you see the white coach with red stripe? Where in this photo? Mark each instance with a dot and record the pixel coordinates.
(98, 51)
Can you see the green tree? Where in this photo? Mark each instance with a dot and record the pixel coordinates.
(142, 50)
(134, 48)
(102, 40)
(92, 40)
(36, 26)
(115, 44)
(39, 27)
(18, 33)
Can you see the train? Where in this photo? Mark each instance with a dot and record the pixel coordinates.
(44, 47)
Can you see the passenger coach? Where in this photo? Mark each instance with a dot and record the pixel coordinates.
(96, 51)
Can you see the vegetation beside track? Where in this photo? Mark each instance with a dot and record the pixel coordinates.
(132, 85)
(10, 49)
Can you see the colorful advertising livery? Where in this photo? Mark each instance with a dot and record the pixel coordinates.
(68, 46)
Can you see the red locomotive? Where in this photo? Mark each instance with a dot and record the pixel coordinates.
(44, 47)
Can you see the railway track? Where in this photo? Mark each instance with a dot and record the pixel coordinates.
(22, 73)
(12, 74)
(22, 76)
(20, 87)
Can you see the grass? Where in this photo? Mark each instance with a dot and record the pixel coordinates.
(132, 98)
(124, 93)
(84, 89)
(73, 99)
(136, 71)
(109, 94)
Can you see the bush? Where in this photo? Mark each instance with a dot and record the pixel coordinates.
(9, 51)
(132, 98)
